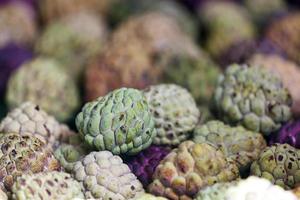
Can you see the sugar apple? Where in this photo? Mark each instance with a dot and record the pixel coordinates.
(189, 168)
(43, 82)
(73, 40)
(120, 122)
(289, 133)
(23, 154)
(12, 56)
(254, 188)
(52, 10)
(150, 197)
(125, 64)
(144, 163)
(252, 97)
(279, 163)
(3, 195)
(46, 186)
(30, 118)
(175, 113)
(217, 18)
(157, 31)
(284, 34)
(120, 11)
(286, 70)
(105, 177)
(71, 152)
(262, 10)
(18, 23)
(237, 143)
(215, 192)
(199, 75)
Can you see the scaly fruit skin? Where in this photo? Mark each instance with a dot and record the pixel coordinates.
(144, 163)
(30, 118)
(287, 71)
(105, 176)
(175, 113)
(24, 154)
(119, 122)
(199, 75)
(289, 133)
(237, 143)
(190, 168)
(52, 10)
(150, 197)
(3, 195)
(18, 24)
(12, 56)
(70, 152)
(279, 163)
(73, 41)
(46, 186)
(214, 192)
(217, 18)
(254, 188)
(284, 34)
(42, 81)
(252, 97)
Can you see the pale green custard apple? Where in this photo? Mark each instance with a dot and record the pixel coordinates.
(239, 144)
(119, 122)
(214, 192)
(175, 113)
(30, 118)
(47, 186)
(71, 151)
(252, 97)
(44, 82)
(279, 163)
(104, 176)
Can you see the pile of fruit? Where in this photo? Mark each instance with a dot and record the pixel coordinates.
(149, 100)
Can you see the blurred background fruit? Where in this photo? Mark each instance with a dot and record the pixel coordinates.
(44, 82)
(73, 40)
(12, 56)
(284, 32)
(18, 24)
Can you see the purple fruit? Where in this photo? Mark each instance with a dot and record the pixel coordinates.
(289, 133)
(144, 163)
(31, 3)
(11, 57)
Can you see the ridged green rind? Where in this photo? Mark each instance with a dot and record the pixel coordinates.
(119, 122)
